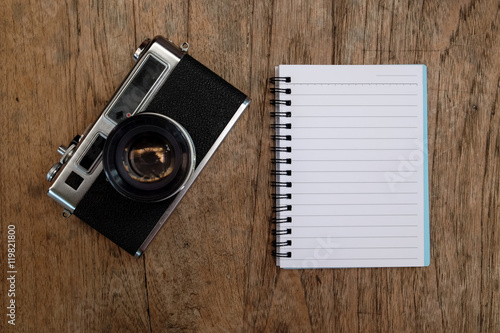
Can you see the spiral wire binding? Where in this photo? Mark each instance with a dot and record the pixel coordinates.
(285, 243)
(281, 101)
(281, 196)
(283, 232)
(281, 160)
(281, 114)
(281, 172)
(281, 137)
(285, 208)
(282, 149)
(287, 219)
(284, 126)
(281, 184)
(278, 172)
(275, 79)
(287, 91)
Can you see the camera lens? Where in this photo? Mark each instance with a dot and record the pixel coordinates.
(148, 157)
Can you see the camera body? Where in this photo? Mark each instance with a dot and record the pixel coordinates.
(128, 172)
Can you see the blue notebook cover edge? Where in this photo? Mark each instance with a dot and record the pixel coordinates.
(427, 242)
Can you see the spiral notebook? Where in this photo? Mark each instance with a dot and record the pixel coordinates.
(350, 166)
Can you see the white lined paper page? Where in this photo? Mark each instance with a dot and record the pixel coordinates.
(359, 193)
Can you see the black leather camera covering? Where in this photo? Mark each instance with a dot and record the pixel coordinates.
(203, 103)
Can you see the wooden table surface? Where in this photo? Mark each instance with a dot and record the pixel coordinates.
(210, 267)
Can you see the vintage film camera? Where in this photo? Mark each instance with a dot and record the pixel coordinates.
(128, 172)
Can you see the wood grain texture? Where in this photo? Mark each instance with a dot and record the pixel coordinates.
(209, 269)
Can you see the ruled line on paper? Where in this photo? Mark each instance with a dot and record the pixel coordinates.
(291, 214)
(308, 116)
(412, 171)
(349, 237)
(366, 248)
(296, 160)
(330, 94)
(382, 182)
(309, 149)
(356, 226)
(358, 105)
(396, 75)
(344, 193)
(364, 127)
(378, 258)
(349, 84)
(358, 204)
(339, 138)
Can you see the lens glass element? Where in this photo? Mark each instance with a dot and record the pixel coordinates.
(149, 158)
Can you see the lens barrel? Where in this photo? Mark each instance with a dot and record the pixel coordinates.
(148, 157)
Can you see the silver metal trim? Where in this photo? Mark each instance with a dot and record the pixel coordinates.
(140, 49)
(200, 167)
(184, 46)
(53, 171)
(62, 149)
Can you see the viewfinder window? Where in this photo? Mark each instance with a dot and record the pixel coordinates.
(93, 154)
(131, 97)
